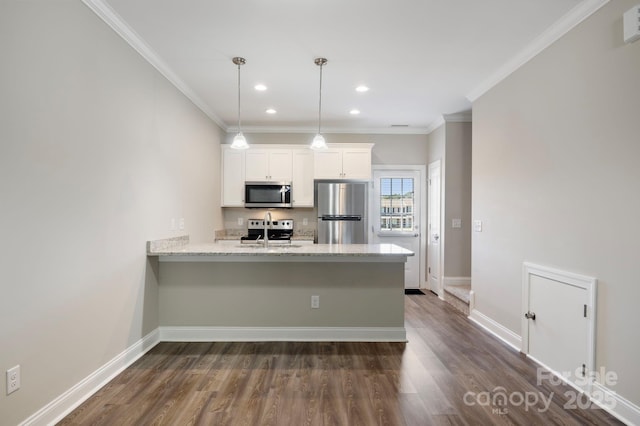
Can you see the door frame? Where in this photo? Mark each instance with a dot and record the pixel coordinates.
(422, 171)
(439, 290)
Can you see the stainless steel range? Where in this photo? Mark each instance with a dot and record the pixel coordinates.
(278, 230)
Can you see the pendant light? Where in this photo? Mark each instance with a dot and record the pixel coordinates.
(318, 141)
(239, 142)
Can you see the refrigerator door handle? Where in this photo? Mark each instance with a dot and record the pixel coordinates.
(341, 217)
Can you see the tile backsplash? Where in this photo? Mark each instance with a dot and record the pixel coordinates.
(236, 218)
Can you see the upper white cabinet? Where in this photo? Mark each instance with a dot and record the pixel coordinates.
(291, 163)
(347, 162)
(233, 163)
(268, 164)
(302, 182)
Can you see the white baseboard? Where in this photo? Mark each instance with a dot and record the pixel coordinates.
(292, 334)
(497, 329)
(72, 398)
(453, 281)
(619, 407)
(614, 404)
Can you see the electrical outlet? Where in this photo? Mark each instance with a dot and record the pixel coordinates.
(315, 302)
(13, 379)
(173, 224)
(181, 223)
(305, 221)
(240, 221)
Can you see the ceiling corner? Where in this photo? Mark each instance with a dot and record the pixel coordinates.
(565, 24)
(113, 20)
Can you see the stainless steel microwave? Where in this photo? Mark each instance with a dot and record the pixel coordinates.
(267, 194)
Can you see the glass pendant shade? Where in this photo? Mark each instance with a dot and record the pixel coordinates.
(239, 142)
(319, 142)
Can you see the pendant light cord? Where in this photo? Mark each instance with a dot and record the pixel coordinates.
(320, 101)
(320, 62)
(239, 117)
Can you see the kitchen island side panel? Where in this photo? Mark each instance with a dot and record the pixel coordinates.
(264, 294)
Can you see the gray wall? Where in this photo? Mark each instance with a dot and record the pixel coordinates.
(451, 144)
(457, 248)
(99, 152)
(278, 294)
(556, 182)
(388, 149)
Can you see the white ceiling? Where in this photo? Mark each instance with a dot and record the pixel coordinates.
(420, 58)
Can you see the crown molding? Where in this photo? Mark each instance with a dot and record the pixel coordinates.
(435, 124)
(461, 117)
(111, 18)
(575, 16)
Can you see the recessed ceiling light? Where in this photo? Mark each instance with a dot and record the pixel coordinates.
(260, 87)
(362, 88)
(354, 111)
(271, 111)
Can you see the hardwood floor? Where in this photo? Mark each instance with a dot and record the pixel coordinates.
(449, 373)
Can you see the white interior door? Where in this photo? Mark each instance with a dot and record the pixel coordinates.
(396, 216)
(559, 321)
(434, 239)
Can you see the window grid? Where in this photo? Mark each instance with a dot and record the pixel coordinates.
(396, 204)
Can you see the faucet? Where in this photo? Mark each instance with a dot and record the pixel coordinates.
(267, 222)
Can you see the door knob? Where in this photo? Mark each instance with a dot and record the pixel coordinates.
(436, 237)
(530, 315)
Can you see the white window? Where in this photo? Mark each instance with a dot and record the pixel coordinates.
(396, 204)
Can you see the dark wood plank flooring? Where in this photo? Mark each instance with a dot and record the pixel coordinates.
(422, 382)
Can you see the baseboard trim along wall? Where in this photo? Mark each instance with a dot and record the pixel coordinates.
(509, 337)
(57, 409)
(275, 334)
(626, 411)
(608, 400)
(76, 395)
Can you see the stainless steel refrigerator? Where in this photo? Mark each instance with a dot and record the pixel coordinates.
(342, 212)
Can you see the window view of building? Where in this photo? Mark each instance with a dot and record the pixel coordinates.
(396, 204)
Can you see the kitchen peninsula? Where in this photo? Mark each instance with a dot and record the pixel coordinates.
(245, 292)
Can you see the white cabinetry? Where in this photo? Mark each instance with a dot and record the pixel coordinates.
(352, 162)
(291, 163)
(232, 177)
(302, 177)
(262, 165)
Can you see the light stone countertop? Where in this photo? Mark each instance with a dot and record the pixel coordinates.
(180, 250)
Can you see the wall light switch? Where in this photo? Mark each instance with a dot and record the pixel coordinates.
(305, 221)
(240, 221)
(456, 223)
(173, 224)
(181, 224)
(477, 225)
